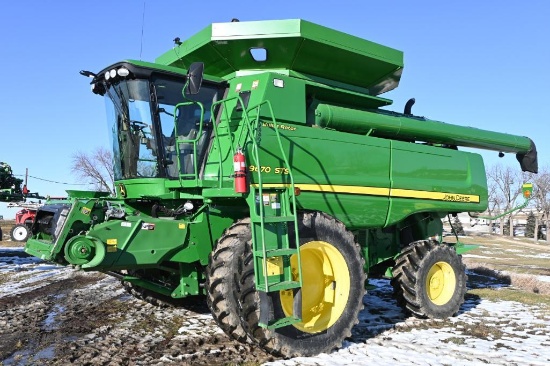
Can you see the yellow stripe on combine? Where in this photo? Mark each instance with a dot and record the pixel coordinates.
(439, 196)
(385, 192)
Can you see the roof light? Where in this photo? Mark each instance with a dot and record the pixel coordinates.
(113, 73)
(107, 75)
(123, 72)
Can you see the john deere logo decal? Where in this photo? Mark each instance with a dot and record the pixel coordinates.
(122, 190)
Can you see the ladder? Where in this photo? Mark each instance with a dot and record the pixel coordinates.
(272, 215)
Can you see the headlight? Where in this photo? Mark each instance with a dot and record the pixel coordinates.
(123, 72)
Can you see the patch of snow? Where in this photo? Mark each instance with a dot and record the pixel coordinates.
(409, 341)
(474, 256)
(540, 255)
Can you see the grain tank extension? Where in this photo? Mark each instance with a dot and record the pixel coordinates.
(255, 167)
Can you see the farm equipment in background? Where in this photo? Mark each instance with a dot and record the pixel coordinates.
(23, 219)
(254, 165)
(14, 191)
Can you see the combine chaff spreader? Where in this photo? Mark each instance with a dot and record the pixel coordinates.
(255, 166)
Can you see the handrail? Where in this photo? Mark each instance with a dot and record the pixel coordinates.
(260, 189)
(216, 134)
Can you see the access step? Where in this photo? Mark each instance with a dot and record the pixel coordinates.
(271, 253)
(284, 285)
(273, 219)
(279, 323)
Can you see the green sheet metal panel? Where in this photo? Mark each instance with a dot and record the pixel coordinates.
(291, 45)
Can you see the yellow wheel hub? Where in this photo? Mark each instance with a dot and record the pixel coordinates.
(441, 283)
(326, 286)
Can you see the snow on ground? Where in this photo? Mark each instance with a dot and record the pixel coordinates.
(474, 256)
(507, 333)
(538, 256)
(27, 273)
(484, 332)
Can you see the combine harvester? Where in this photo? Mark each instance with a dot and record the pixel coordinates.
(255, 165)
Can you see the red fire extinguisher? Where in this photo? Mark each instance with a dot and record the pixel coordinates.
(239, 166)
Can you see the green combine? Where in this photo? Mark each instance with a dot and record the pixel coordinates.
(257, 171)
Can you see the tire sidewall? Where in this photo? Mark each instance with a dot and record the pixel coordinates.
(318, 229)
(445, 254)
(15, 228)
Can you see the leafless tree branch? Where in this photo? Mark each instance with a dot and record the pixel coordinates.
(95, 168)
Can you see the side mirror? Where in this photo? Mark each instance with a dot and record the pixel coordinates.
(194, 77)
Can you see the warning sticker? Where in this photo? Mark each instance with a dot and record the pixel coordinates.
(147, 226)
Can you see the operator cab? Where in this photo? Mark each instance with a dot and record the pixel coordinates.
(159, 119)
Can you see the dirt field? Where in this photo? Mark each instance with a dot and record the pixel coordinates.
(6, 226)
(52, 315)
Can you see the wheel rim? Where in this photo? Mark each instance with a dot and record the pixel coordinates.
(326, 286)
(441, 283)
(20, 233)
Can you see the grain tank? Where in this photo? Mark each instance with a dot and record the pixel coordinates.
(256, 165)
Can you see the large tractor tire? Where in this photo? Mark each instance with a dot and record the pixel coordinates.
(332, 292)
(222, 282)
(429, 280)
(20, 233)
(195, 303)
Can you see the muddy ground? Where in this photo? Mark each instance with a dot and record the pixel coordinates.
(52, 315)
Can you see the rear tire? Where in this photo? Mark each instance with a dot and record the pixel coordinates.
(332, 294)
(429, 280)
(222, 282)
(20, 233)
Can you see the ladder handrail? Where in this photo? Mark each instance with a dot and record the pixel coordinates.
(227, 119)
(250, 133)
(260, 186)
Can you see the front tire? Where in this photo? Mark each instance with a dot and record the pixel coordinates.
(429, 280)
(332, 292)
(20, 233)
(221, 279)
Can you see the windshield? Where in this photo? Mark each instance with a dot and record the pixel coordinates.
(142, 117)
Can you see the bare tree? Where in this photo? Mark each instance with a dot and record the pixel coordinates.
(505, 186)
(96, 168)
(541, 197)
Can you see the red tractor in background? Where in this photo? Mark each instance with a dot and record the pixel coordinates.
(14, 191)
(23, 219)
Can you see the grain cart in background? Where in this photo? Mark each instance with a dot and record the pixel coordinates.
(254, 165)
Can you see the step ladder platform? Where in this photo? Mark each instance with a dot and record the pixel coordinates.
(279, 323)
(271, 253)
(283, 285)
(273, 219)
